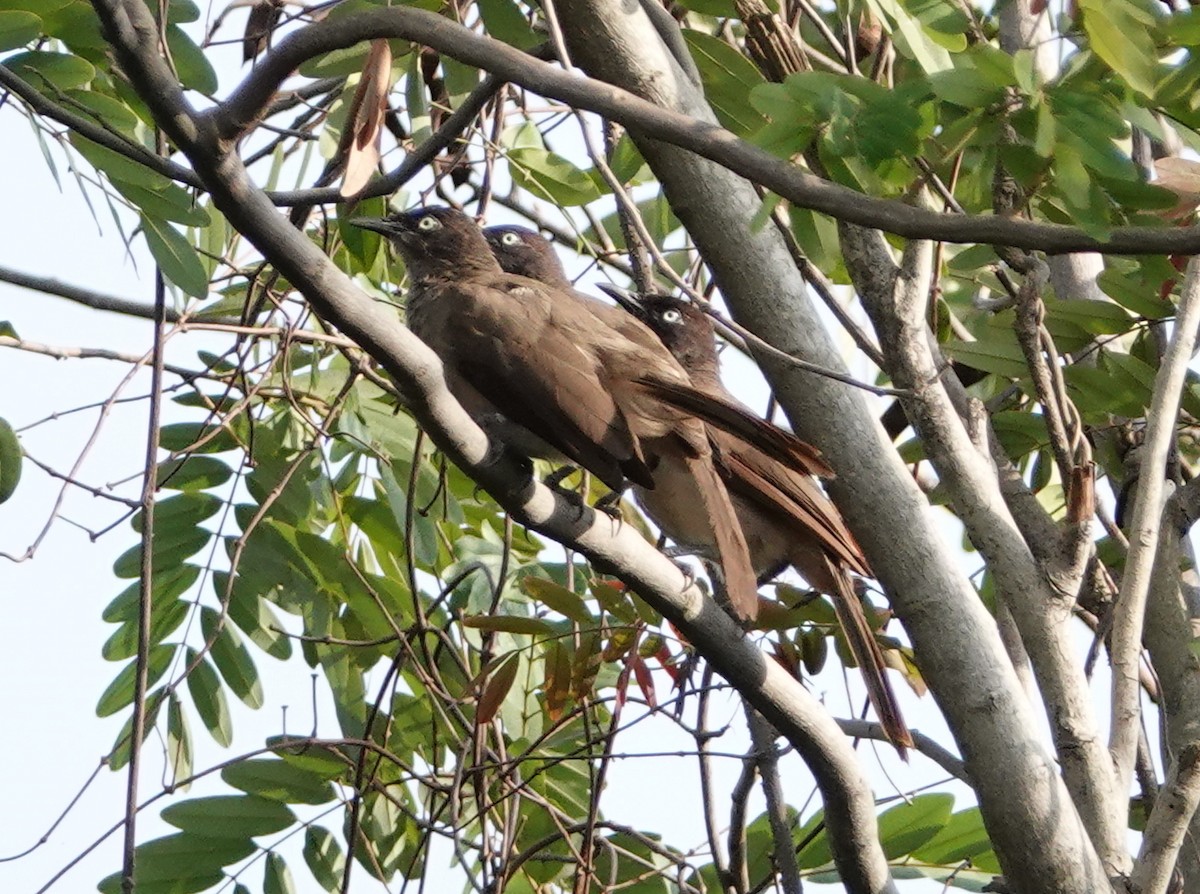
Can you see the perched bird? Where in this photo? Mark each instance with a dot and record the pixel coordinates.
(786, 518)
(785, 515)
(543, 372)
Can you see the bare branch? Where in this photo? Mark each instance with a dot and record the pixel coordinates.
(1168, 823)
(86, 297)
(1143, 532)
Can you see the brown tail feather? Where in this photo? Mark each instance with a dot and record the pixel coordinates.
(734, 418)
(740, 580)
(861, 639)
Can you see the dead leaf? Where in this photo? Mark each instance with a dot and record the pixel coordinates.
(364, 121)
(1182, 177)
(496, 689)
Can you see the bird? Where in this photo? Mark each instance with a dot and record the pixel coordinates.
(546, 375)
(785, 515)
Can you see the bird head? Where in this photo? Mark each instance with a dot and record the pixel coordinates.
(434, 240)
(680, 325)
(525, 253)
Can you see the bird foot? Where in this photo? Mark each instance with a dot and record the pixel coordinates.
(555, 479)
(610, 505)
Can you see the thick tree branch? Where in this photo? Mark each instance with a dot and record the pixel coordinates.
(1167, 826)
(1130, 609)
(1024, 803)
(245, 103)
(971, 480)
(764, 683)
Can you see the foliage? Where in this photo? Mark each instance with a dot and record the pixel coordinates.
(480, 677)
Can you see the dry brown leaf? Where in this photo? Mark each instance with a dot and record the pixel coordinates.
(364, 122)
(496, 689)
(1182, 177)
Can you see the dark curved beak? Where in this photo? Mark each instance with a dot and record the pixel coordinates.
(627, 299)
(377, 224)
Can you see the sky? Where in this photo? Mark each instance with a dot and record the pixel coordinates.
(51, 665)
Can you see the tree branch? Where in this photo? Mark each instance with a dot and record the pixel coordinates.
(1130, 609)
(1167, 826)
(93, 131)
(86, 297)
(763, 682)
(245, 103)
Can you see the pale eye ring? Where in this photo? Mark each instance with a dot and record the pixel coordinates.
(510, 239)
(672, 316)
(428, 224)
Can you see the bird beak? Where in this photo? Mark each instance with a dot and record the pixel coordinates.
(627, 299)
(376, 224)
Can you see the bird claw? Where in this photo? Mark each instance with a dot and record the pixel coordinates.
(555, 479)
(609, 504)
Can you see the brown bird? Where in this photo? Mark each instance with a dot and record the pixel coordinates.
(544, 373)
(786, 517)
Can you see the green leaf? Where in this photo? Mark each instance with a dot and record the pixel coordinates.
(179, 741)
(277, 878)
(279, 781)
(547, 175)
(229, 816)
(911, 39)
(117, 166)
(119, 756)
(324, 857)
(17, 28)
(194, 70)
(209, 698)
(123, 643)
(175, 255)
(998, 355)
(1120, 34)
(504, 21)
(255, 617)
(193, 473)
(508, 624)
(558, 598)
(171, 203)
(727, 77)
(168, 584)
(908, 825)
(320, 760)
(12, 459)
(120, 691)
(962, 838)
(172, 546)
(232, 659)
(61, 71)
(181, 862)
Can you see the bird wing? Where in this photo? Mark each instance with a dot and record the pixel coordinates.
(506, 346)
(789, 494)
(732, 417)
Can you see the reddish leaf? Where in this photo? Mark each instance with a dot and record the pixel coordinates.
(557, 685)
(644, 680)
(496, 688)
(587, 666)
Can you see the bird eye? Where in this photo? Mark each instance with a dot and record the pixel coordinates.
(510, 239)
(671, 316)
(429, 223)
